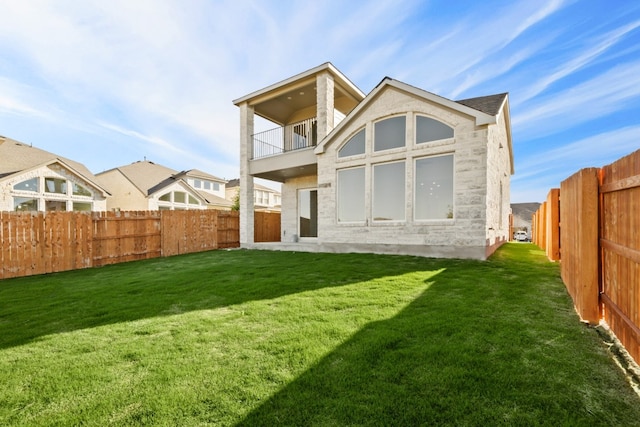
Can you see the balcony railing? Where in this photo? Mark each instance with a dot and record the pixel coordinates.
(280, 140)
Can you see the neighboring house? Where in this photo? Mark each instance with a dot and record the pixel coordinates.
(144, 185)
(400, 170)
(264, 198)
(32, 179)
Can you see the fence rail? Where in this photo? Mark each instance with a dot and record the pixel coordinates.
(599, 245)
(38, 243)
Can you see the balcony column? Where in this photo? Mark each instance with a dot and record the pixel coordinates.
(324, 96)
(246, 180)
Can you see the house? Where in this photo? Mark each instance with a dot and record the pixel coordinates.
(265, 199)
(145, 185)
(399, 170)
(32, 179)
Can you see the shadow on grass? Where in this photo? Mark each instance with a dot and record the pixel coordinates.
(485, 344)
(32, 307)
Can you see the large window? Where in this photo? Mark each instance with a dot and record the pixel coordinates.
(389, 133)
(428, 129)
(55, 185)
(389, 192)
(354, 146)
(23, 204)
(28, 185)
(308, 213)
(79, 190)
(351, 195)
(434, 188)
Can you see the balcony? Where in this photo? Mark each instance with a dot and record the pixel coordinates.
(280, 140)
(286, 152)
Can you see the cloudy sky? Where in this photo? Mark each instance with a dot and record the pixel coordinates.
(107, 83)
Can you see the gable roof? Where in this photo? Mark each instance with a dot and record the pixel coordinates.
(146, 176)
(198, 174)
(17, 157)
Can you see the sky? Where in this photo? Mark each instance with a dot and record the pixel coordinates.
(108, 83)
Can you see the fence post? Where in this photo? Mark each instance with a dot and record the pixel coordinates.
(553, 225)
(579, 242)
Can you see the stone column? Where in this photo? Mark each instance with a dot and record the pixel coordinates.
(246, 180)
(324, 96)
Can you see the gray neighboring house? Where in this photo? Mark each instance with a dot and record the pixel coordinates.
(32, 179)
(399, 170)
(145, 185)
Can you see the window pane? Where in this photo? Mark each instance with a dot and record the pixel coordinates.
(79, 190)
(354, 146)
(216, 186)
(81, 207)
(308, 213)
(193, 200)
(388, 192)
(197, 183)
(434, 188)
(166, 197)
(55, 185)
(179, 197)
(428, 129)
(22, 204)
(351, 195)
(28, 185)
(389, 133)
(55, 205)
(207, 185)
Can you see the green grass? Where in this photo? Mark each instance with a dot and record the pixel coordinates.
(279, 338)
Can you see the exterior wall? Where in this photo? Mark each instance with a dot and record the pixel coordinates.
(246, 180)
(498, 186)
(289, 216)
(463, 236)
(124, 195)
(99, 202)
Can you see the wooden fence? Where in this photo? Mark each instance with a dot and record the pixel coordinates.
(38, 243)
(266, 226)
(599, 245)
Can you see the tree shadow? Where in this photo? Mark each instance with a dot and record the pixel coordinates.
(36, 306)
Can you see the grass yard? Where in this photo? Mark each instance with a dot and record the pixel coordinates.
(278, 338)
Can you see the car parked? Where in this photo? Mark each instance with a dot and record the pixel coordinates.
(521, 236)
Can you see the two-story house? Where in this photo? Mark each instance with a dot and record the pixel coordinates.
(399, 170)
(32, 179)
(265, 199)
(145, 185)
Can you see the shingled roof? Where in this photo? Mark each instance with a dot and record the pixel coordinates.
(489, 104)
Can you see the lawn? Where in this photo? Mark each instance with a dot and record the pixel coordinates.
(279, 338)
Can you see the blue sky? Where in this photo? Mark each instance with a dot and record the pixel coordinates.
(108, 83)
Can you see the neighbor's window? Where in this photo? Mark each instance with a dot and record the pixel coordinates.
(351, 195)
(434, 187)
(216, 186)
(193, 200)
(179, 197)
(23, 204)
(428, 129)
(389, 133)
(55, 185)
(197, 183)
(388, 192)
(354, 146)
(207, 185)
(28, 185)
(81, 207)
(79, 190)
(166, 197)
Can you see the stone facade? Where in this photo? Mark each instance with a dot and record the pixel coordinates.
(480, 148)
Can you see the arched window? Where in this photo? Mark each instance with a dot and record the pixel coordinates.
(389, 133)
(428, 129)
(354, 146)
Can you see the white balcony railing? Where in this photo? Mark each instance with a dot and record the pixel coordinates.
(283, 139)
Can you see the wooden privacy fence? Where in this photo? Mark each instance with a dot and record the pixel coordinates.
(599, 245)
(266, 226)
(38, 243)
